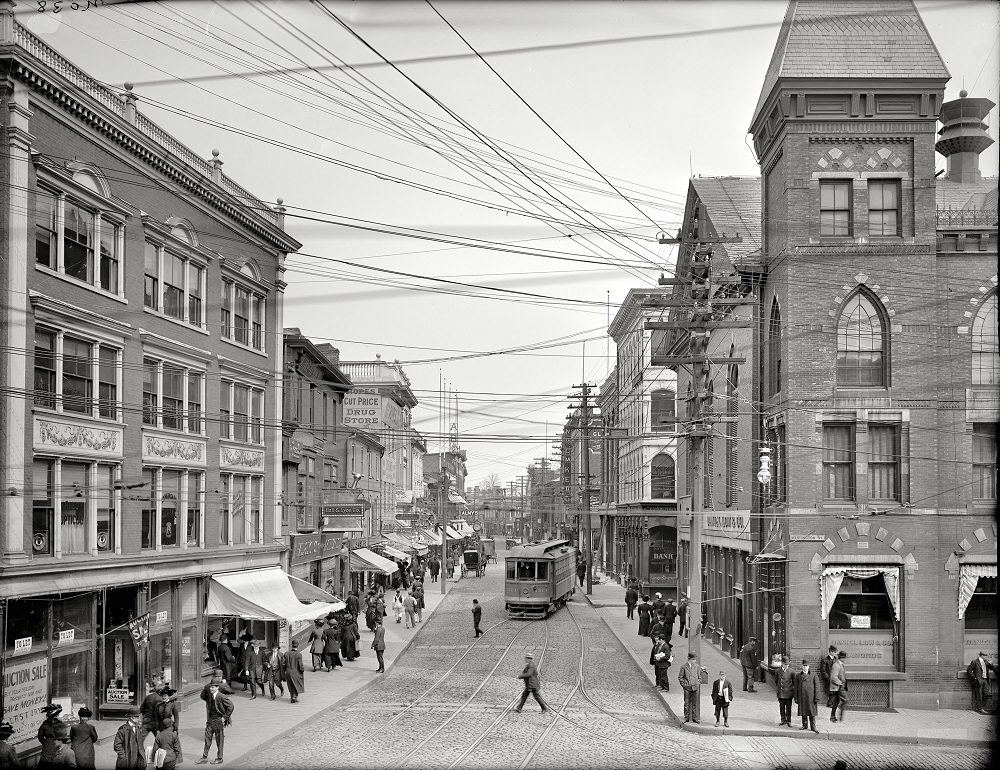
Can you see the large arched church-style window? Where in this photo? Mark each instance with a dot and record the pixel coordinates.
(985, 345)
(662, 479)
(774, 350)
(862, 344)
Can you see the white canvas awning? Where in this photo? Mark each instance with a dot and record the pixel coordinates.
(969, 575)
(832, 578)
(405, 544)
(395, 553)
(363, 560)
(457, 499)
(434, 538)
(268, 593)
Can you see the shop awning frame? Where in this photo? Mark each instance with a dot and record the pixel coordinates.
(968, 579)
(395, 553)
(363, 560)
(268, 593)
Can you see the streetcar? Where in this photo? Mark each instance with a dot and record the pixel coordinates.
(540, 577)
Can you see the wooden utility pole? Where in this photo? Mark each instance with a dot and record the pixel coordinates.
(586, 532)
(703, 307)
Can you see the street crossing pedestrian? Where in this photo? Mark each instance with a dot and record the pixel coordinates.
(532, 684)
(477, 616)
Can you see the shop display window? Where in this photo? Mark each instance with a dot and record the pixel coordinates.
(191, 656)
(73, 508)
(862, 598)
(981, 614)
(72, 681)
(27, 620)
(104, 493)
(73, 620)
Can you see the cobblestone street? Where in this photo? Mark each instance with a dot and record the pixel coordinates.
(448, 700)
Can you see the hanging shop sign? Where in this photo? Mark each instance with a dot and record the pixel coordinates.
(139, 628)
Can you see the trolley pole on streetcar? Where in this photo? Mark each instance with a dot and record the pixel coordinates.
(707, 312)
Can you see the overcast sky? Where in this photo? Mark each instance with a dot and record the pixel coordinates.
(562, 163)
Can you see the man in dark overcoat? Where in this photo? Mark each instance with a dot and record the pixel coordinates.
(631, 599)
(689, 678)
(477, 616)
(807, 691)
(532, 684)
(253, 667)
(274, 669)
(979, 672)
(128, 743)
(785, 689)
(218, 711)
(378, 644)
(353, 605)
(749, 660)
(227, 659)
(295, 672)
(331, 645)
(824, 671)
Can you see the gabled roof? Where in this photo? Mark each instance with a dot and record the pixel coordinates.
(964, 196)
(733, 206)
(852, 39)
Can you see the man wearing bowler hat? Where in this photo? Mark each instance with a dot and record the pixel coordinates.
(218, 711)
(128, 743)
(689, 678)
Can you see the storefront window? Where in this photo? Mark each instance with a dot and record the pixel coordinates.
(118, 657)
(72, 681)
(170, 508)
(862, 604)
(104, 492)
(27, 626)
(73, 508)
(160, 632)
(194, 508)
(981, 614)
(192, 653)
(73, 618)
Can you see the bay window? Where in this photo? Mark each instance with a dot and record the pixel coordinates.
(172, 396)
(79, 239)
(174, 284)
(241, 411)
(66, 369)
(244, 314)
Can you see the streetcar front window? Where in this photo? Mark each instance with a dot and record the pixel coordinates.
(526, 570)
(511, 570)
(543, 570)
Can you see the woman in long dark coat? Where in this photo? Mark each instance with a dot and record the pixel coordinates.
(645, 610)
(331, 642)
(82, 737)
(48, 735)
(349, 638)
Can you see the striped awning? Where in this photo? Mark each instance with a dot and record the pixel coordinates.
(968, 578)
(363, 560)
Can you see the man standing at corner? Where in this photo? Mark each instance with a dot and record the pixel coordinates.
(824, 671)
(785, 687)
(477, 616)
(631, 599)
(378, 644)
(979, 672)
(689, 678)
(532, 684)
(218, 710)
(807, 689)
(749, 660)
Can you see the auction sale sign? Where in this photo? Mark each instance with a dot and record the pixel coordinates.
(25, 685)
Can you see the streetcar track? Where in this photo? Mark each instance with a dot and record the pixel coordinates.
(495, 722)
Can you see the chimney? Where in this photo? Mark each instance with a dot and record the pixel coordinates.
(332, 354)
(963, 136)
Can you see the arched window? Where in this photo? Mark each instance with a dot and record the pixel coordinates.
(663, 409)
(661, 477)
(861, 342)
(774, 350)
(985, 346)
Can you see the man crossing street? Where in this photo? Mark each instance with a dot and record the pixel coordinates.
(477, 616)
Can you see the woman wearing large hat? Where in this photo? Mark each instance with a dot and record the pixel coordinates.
(48, 735)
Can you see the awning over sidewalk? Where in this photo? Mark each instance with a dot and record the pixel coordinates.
(968, 580)
(395, 553)
(363, 560)
(403, 543)
(268, 594)
(434, 538)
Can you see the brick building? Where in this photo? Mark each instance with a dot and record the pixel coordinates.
(142, 379)
(876, 356)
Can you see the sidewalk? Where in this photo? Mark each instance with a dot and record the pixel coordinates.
(323, 690)
(757, 713)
